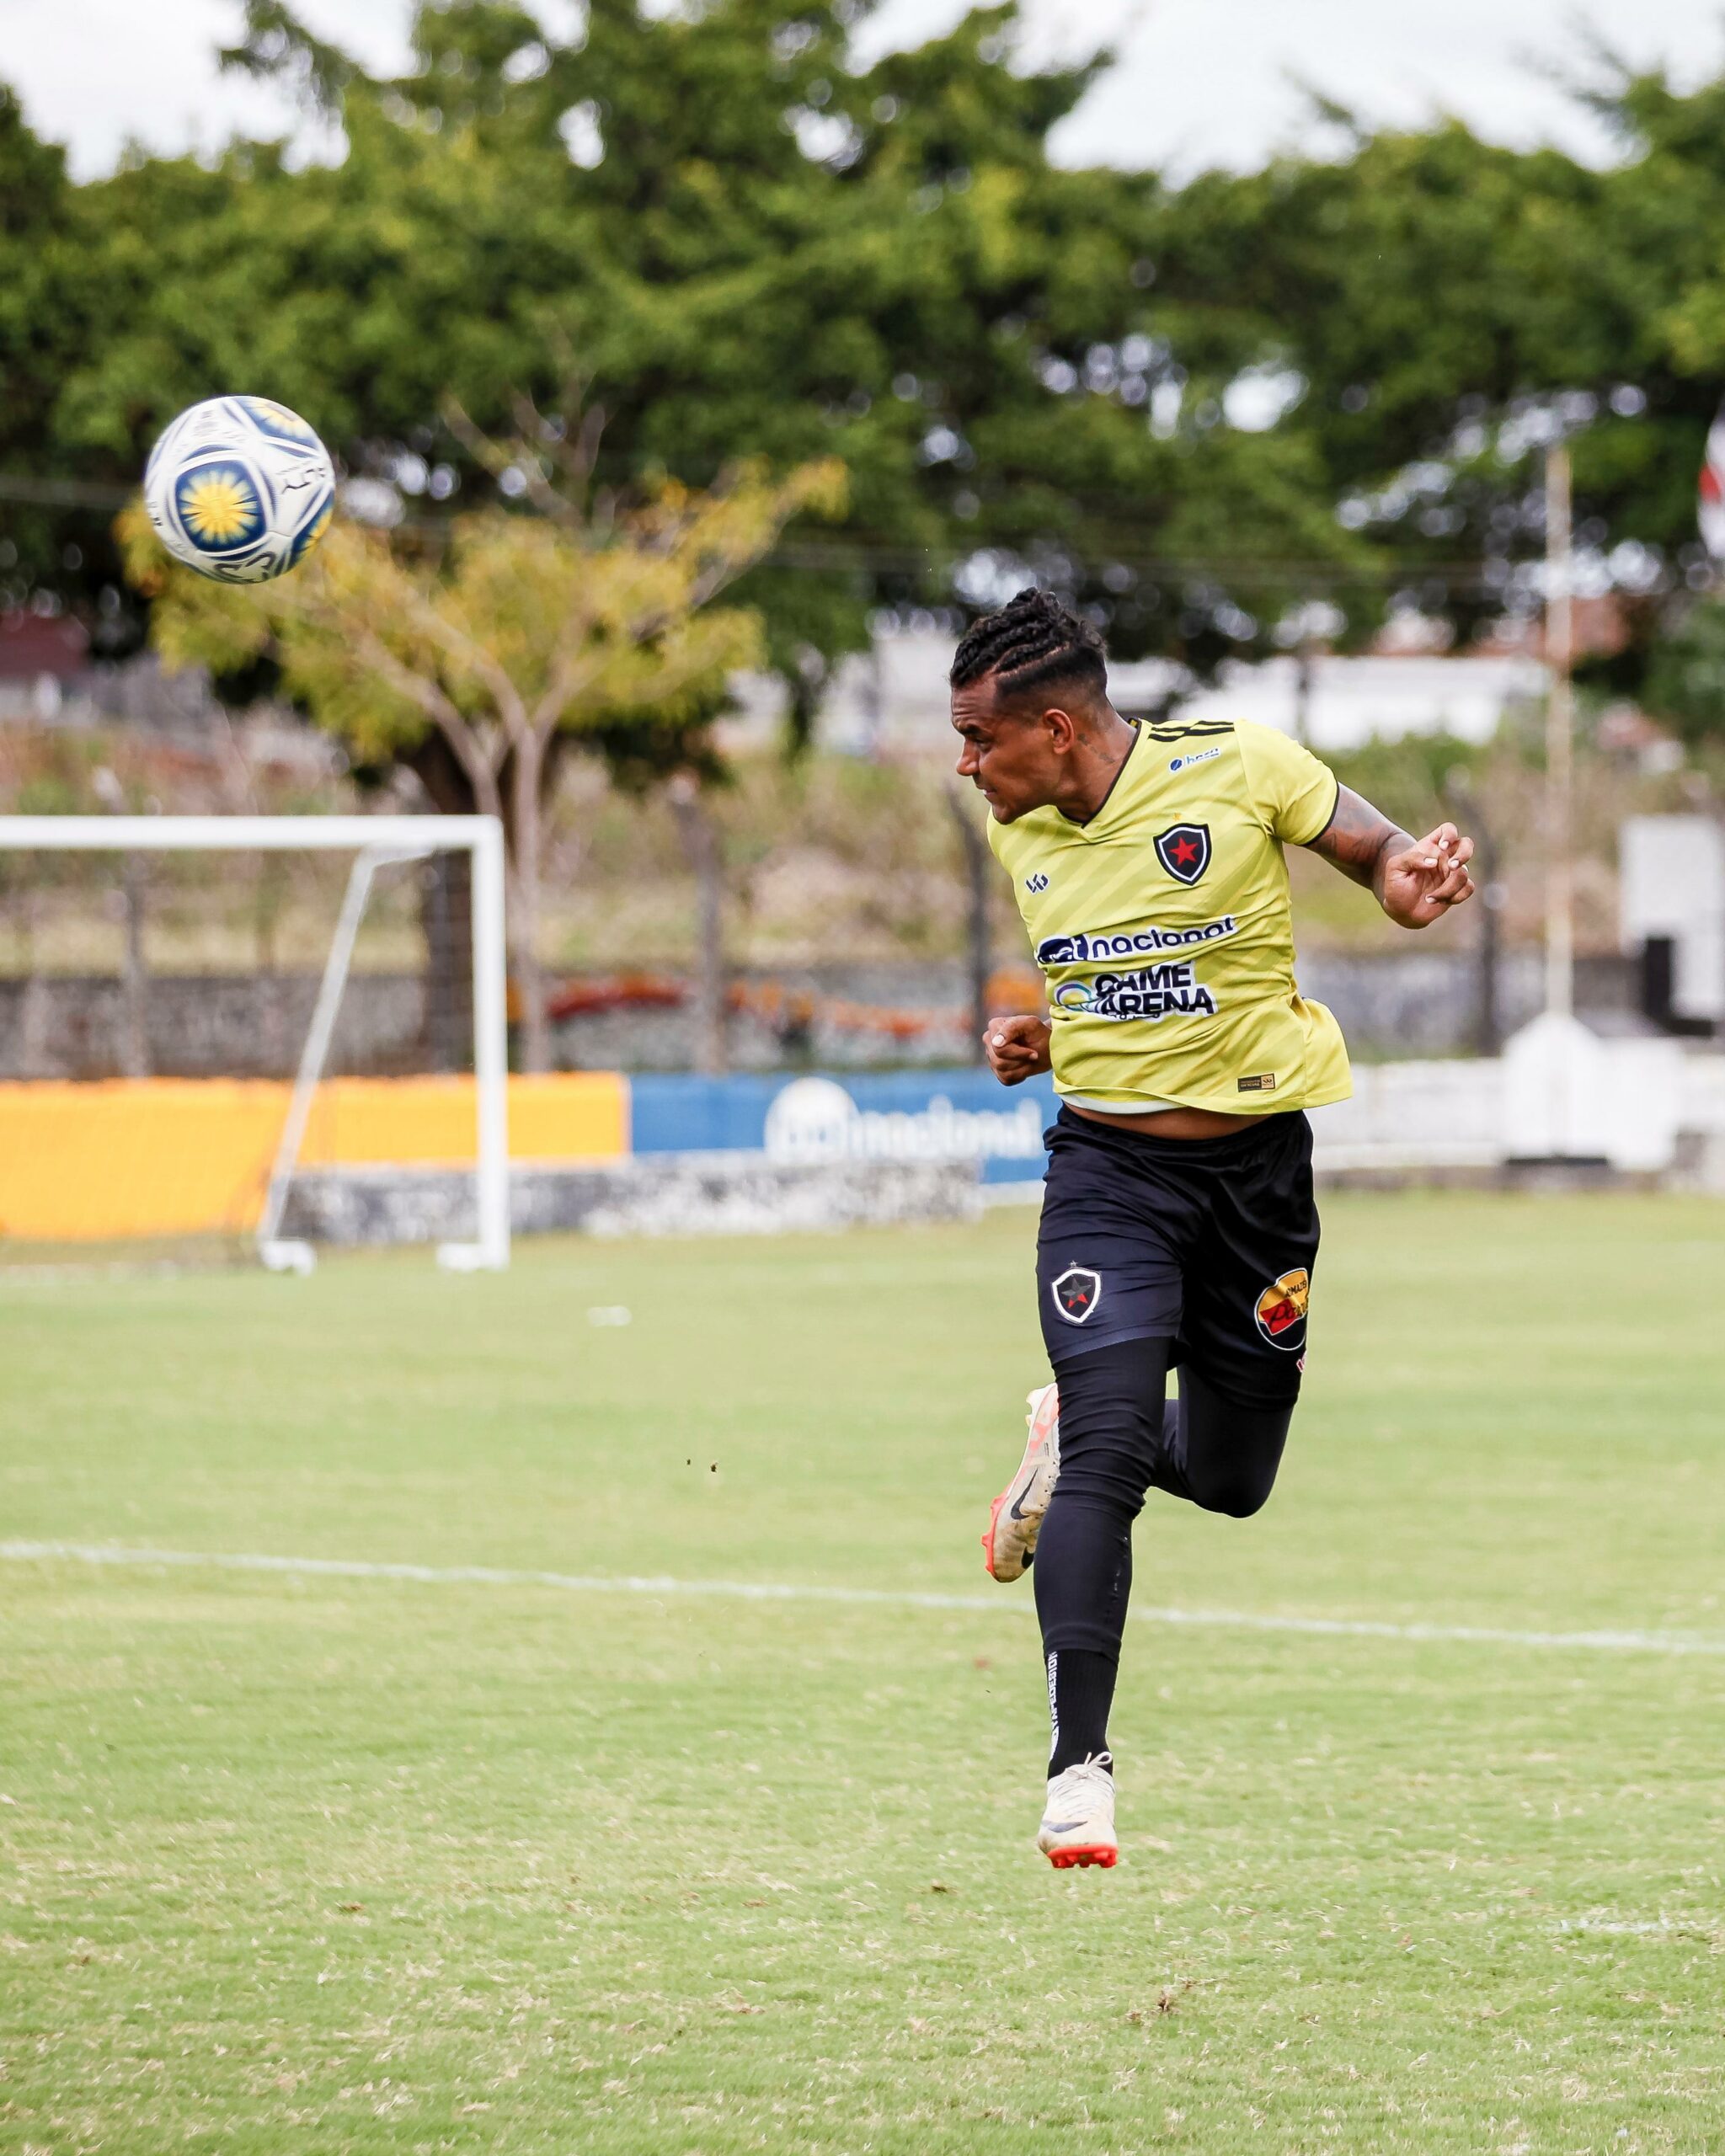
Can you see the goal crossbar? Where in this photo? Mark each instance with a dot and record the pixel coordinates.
(373, 840)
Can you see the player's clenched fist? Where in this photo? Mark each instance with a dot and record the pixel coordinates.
(1017, 1047)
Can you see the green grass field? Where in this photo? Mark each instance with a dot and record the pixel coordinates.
(322, 1863)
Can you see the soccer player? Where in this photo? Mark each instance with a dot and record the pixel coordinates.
(1177, 1221)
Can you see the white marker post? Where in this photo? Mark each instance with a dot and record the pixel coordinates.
(1560, 739)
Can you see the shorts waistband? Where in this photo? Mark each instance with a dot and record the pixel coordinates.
(1141, 1145)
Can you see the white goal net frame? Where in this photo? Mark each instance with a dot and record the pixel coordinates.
(374, 841)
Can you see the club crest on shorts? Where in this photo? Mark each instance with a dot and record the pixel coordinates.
(1077, 1293)
(1281, 1310)
(1183, 849)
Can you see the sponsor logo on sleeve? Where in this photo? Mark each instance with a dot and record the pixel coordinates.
(1183, 849)
(1185, 763)
(1280, 1311)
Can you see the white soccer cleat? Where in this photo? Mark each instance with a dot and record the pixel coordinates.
(1078, 1824)
(1015, 1519)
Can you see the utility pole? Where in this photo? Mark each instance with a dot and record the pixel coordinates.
(702, 848)
(1305, 671)
(1560, 739)
(979, 866)
(134, 1028)
(134, 1042)
(1465, 807)
(33, 1012)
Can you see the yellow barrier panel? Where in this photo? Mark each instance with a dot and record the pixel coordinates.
(151, 1157)
(570, 1115)
(170, 1156)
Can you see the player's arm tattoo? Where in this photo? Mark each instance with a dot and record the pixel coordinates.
(1359, 839)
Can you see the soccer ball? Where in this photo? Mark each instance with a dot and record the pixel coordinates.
(240, 488)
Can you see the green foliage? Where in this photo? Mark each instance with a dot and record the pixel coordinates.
(1685, 684)
(594, 616)
(42, 299)
(515, 627)
(1408, 779)
(761, 252)
(743, 246)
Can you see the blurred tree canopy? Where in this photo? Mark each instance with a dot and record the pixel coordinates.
(1451, 306)
(514, 631)
(1195, 409)
(1685, 682)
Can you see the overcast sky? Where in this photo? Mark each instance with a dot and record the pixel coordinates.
(1200, 81)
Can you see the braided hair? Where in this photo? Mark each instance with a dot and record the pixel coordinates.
(1033, 640)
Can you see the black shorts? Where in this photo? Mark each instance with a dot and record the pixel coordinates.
(1209, 1242)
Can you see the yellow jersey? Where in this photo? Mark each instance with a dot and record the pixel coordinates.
(1165, 929)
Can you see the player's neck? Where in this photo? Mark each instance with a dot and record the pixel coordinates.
(1098, 761)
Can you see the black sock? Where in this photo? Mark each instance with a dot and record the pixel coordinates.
(1080, 1690)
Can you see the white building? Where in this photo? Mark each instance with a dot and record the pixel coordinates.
(893, 701)
(1350, 702)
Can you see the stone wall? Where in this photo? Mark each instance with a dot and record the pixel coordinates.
(1420, 1002)
(206, 1026)
(1416, 1002)
(660, 1194)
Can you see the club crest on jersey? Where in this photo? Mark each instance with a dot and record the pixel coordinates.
(1077, 1293)
(1281, 1310)
(1183, 849)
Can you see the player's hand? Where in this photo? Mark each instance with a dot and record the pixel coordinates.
(1017, 1047)
(1421, 882)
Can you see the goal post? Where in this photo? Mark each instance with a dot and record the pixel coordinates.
(373, 840)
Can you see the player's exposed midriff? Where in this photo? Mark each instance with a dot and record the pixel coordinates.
(1171, 1123)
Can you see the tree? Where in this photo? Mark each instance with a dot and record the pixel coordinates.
(1686, 683)
(1158, 398)
(501, 632)
(40, 295)
(1449, 304)
(751, 246)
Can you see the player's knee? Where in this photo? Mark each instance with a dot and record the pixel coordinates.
(1239, 1499)
(1237, 1487)
(1109, 1490)
(1233, 1450)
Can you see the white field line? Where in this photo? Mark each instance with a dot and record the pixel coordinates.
(665, 1589)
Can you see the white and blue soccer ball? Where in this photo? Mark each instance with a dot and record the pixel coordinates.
(240, 488)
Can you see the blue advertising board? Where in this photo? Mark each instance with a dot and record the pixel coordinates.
(897, 1115)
